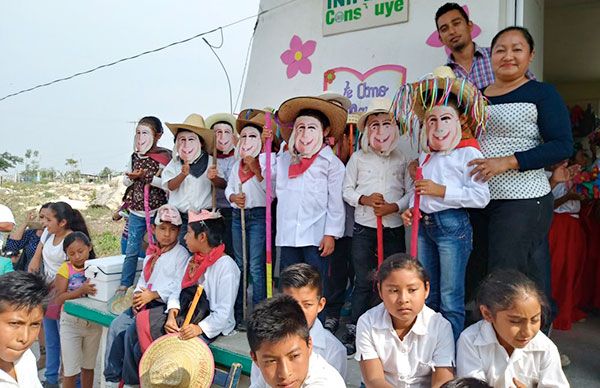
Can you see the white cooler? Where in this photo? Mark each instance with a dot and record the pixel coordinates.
(105, 274)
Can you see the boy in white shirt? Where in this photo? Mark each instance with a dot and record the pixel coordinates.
(281, 347)
(303, 283)
(249, 172)
(310, 209)
(22, 301)
(374, 185)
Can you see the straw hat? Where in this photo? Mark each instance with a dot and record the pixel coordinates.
(377, 105)
(121, 301)
(253, 117)
(352, 118)
(195, 123)
(336, 97)
(220, 118)
(170, 362)
(289, 110)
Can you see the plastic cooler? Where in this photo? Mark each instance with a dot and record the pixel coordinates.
(105, 274)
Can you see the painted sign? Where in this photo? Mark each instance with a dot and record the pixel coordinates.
(360, 88)
(350, 15)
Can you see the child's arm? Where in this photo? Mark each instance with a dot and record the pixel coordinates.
(551, 373)
(372, 373)
(443, 355)
(36, 260)
(350, 195)
(371, 367)
(214, 175)
(336, 213)
(173, 175)
(441, 375)
(143, 297)
(61, 283)
(571, 195)
(472, 193)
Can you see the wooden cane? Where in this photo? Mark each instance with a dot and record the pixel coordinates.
(190, 313)
(414, 237)
(244, 262)
(214, 187)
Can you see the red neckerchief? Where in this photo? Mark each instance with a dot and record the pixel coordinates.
(160, 155)
(198, 265)
(471, 142)
(295, 170)
(244, 175)
(221, 155)
(154, 251)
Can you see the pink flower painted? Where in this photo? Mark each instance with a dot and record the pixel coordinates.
(434, 38)
(296, 58)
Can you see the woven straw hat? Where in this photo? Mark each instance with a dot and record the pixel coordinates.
(195, 123)
(170, 362)
(254, 117)
(343, 101)
(220, 118)
(377, 105)
(289, 110)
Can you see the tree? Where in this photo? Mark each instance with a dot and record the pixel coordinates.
(32, 165)
(106, 172)
(9, 161)
(72, 165)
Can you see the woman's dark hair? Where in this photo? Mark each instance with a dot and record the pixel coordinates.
(76, 236)
(399, 261)
(465, 382)
(499, 290)
(444, 9)
(214, 229)
(524, 31)
(317, 115)
(75, 221)
(274, 320)
(23, 290)
(301, 275)
(45, 206)
(152, 122)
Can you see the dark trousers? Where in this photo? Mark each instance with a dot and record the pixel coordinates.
(510, 234)
(364, 260)
(341, 273)
(226, 212)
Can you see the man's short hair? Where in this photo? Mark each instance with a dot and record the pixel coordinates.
(444, 9)
(23, 290)
(301, 275)
(276, 319)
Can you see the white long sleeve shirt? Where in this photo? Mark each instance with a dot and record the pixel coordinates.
(193, 193)
(480, 355)
(368, 173)
(451, 170)
(167, 273)
(26, 371)
(310, 206)
(325, 345)
(255, 191)
(220, 281)
(224, 166)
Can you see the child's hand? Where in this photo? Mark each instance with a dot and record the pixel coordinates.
(429, 187)
(171, 324)
(136, 174)
(142, 298)
(34, 266)
(185, 168)
(190, 331)
(407, 217)
(385, 208)
(266, 133)
(375, 199)
(412, 168)
(518, 384)
(87, 288)
(212, 172)
(252, 164)
(327, 246)
(239, 200)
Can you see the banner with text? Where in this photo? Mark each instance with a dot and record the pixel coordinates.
(350, 15)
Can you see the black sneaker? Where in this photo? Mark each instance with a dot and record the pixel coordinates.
(349, 340)
(332, 324)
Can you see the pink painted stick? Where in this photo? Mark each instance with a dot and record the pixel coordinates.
(269, 261)
(414, 238)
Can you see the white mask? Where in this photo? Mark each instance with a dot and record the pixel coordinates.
(188, 146)
(144, 139)
(224, 137)
(250, 142)
(307, 136)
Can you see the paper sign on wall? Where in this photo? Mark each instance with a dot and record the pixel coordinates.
(350, 15)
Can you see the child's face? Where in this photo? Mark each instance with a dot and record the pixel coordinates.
(310, 301)
(518, 325)
(18, 329)
(53, 224)
(403, 294)
(188, 146)
(195, 244)
(382, 131)
(284, 363)
(309, 135)
(166, 233)
(442, 124)
(78, 253)
(224, 134)
(144, 138)
(250, 142)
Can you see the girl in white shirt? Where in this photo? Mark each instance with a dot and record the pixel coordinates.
(507, 348)
(401, 342)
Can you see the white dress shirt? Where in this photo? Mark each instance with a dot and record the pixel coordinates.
(26, 371)
(320, 374)
(325, 345)
(450, 170)
(310, 206)
(167, 273)
(224, 166)
(220, 281)
(368, 173)
(480, 355)
(256, 192)
(193, 193)
(572, 207)
(409, 362)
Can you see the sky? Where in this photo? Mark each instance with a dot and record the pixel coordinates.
(92, 118)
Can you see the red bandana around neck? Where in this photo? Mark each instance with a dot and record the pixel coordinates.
(297, 169)
(160, 155)
(154, 251)
(221, 155)
(471, 142)
(199, 263)
(244, 175)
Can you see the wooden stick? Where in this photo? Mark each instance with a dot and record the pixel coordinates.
(214, 187)
(190, 313)
(244, 263)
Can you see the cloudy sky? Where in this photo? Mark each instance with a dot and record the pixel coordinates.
(91, 118)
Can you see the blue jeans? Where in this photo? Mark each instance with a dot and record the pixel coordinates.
(256, 251)
(445, 243)
(52, 334)
(115, 346)
(309, 255)
(137, 229)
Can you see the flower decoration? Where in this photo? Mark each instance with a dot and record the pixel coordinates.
(434, 38)
(329, 76)
(296, 57)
